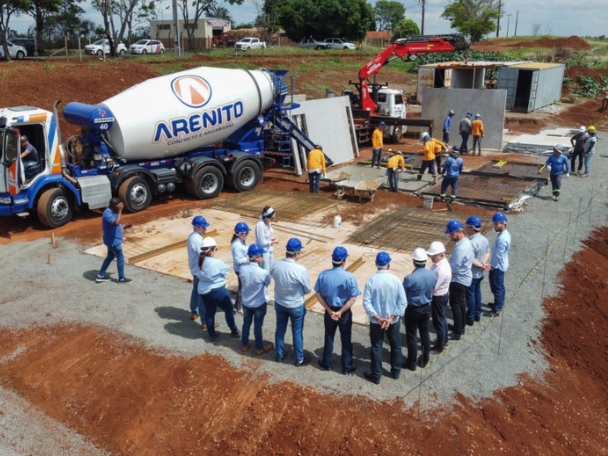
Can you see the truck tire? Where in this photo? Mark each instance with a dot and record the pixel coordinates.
(206, 183)
(54, 208)
(245, 176)
(135, 193)
(397, 134)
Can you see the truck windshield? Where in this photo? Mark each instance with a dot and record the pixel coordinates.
(9, 146)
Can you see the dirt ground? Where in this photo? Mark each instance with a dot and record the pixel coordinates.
(130, 400)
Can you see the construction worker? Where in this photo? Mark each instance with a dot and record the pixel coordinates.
(481, 255)
(447, 124)
(443, 272)
(461, 261)
(377, 144)
(478, 132)
(418, 286)
(589, 149)
(238, 246)
(199, 227)
(557, 165)
(315, 164)
(337, 289)
(112, 238)
(394, 166)
(384, 301)
(428, 160)
(465, 130)
(440, 147)
(452, 169)
(499, 263)
(578, 149)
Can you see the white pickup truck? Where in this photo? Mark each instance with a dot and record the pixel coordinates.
(249, 43)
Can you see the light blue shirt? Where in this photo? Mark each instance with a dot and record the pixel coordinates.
(337, 286)
(112, 234)
(481, 246)
(461, 262)
(419, 286)
(239, 255)
(447, 123)
(500, 252)
(212, 275)
(291, 283)
(452, 167)
(384, 296)
(194, 250)
(254, 281)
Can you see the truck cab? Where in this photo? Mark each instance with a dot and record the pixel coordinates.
(390, 103)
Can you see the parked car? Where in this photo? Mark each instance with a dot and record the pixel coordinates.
(30, 44)
(147, 47)
(14, 50)
(311, 43)
(338, 43)
(101, 47)
(249, 43)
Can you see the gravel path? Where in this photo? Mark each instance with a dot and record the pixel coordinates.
(57, 285)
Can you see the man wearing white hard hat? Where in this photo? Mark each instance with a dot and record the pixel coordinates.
(418, 286)
(578, 145)
(558, 165)
(443, 272)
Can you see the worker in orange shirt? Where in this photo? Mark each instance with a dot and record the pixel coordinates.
(315, 166)
(440, 147)
(378, 144)
(477, 130)
(395, 164)
(428, 161)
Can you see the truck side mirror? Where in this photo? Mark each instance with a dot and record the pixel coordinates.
(10, 147)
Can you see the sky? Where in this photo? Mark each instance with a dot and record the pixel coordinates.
(555, 17)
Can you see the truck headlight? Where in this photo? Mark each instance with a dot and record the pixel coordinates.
(5, 200)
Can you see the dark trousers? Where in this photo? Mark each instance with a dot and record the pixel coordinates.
(416, 319)
(238, 301)
(376, 338)
(218, 297)
(438, 305)
(430, 164)
(556, 183)
(458, 304)
(464, 147)
(446, 136)
(580, 155)
(449, 182)
(497, 286)
(345, 323)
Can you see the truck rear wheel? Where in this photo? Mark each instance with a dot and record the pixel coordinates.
(245, 176)
(54, 208)
(136, 194)
(206, 183)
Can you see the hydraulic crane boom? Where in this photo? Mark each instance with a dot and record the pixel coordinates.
(404, 48)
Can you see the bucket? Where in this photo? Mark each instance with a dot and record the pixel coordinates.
(337, 221)
(427, 202)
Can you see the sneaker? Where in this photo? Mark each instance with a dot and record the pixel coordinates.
(101, 279)
(124, 280)
(304, 361)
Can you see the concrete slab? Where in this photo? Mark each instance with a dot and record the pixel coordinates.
(407, 179)
(536, 144)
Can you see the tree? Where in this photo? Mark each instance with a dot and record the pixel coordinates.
(536, 29)
(407, 27)
(40, 10)
(350, 19)
(7, 9)
(66, 22)
(473, 18)
(388, 14)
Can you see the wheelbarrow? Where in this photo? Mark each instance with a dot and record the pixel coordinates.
(366, 189)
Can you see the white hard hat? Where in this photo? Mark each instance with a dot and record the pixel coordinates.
(419, 255)
(559, 147)
(208, 242)
(436, 248)
(582, 129)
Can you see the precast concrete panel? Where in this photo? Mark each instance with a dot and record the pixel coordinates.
(490, 104)
(549, 88)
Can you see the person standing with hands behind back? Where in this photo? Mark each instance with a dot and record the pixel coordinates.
(478, 132)
(239, 258)
(377, 145)
(112, 238)
(315, 164)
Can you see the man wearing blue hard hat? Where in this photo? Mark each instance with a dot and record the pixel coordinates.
(195, 240)
(385, 302)
(499, 263)
(337, 289)
(291, 283)
(461, 262)
(481, 255)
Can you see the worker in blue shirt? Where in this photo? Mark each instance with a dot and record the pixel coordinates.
(418, 286)
(384, 301)
(557, 165)
(337, 289)
(452, 169)
(499, 263)
(291, 283)
(447, 124)
(481, 252)
(112, 238)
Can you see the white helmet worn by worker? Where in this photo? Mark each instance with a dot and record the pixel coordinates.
(436, 248)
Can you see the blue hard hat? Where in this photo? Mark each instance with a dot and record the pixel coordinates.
(473, 221)
(499, 217)
(255, 250)
(340, 254)
(294, 245)
(469, 114)
(382, 259)
(241, 227)
(453, 226)
(455, 149)
(382, 124)
(200, 222)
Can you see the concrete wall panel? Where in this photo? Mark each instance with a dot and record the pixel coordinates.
(549, 88)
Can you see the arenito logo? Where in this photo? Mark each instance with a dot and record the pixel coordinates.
(193, 91)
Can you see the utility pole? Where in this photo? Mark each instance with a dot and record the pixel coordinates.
(498, 21)
(423, 3)
(508, 23)
(176, 45)
(516, 19)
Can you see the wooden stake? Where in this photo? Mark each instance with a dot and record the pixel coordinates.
(53, 239)
(49, 259)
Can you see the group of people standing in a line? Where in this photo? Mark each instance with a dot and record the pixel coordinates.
(421, 297)
(466, 128)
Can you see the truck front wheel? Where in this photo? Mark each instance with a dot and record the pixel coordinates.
(206, 183)
(54, 208)
(245, 176)
(135, 193)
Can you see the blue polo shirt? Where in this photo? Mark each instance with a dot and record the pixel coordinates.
(112, 234)
(384, 296)
(557, 164)
(337, 286)
(461, 262)
(419, 286)
(481, 246)
(500, 253)
(291, 283)
(212, 275)
(254, 281)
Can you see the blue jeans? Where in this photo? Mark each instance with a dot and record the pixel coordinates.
(114, 252)
(376, 157)
(345, 323)
(474, 300)
(196, 303)
(376, 338)
(255, 314)
(218, 297)
(314, 182)
(449, 182)
(238, 300)
(588, 162)
(464, 147)
(497, 285)
(477, 143)
(284, 314)
(438, 305)
(393, 180)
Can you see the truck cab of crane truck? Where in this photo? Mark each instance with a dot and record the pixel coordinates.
(390, 103)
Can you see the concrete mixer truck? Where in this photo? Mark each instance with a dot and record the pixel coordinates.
(199, 128)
